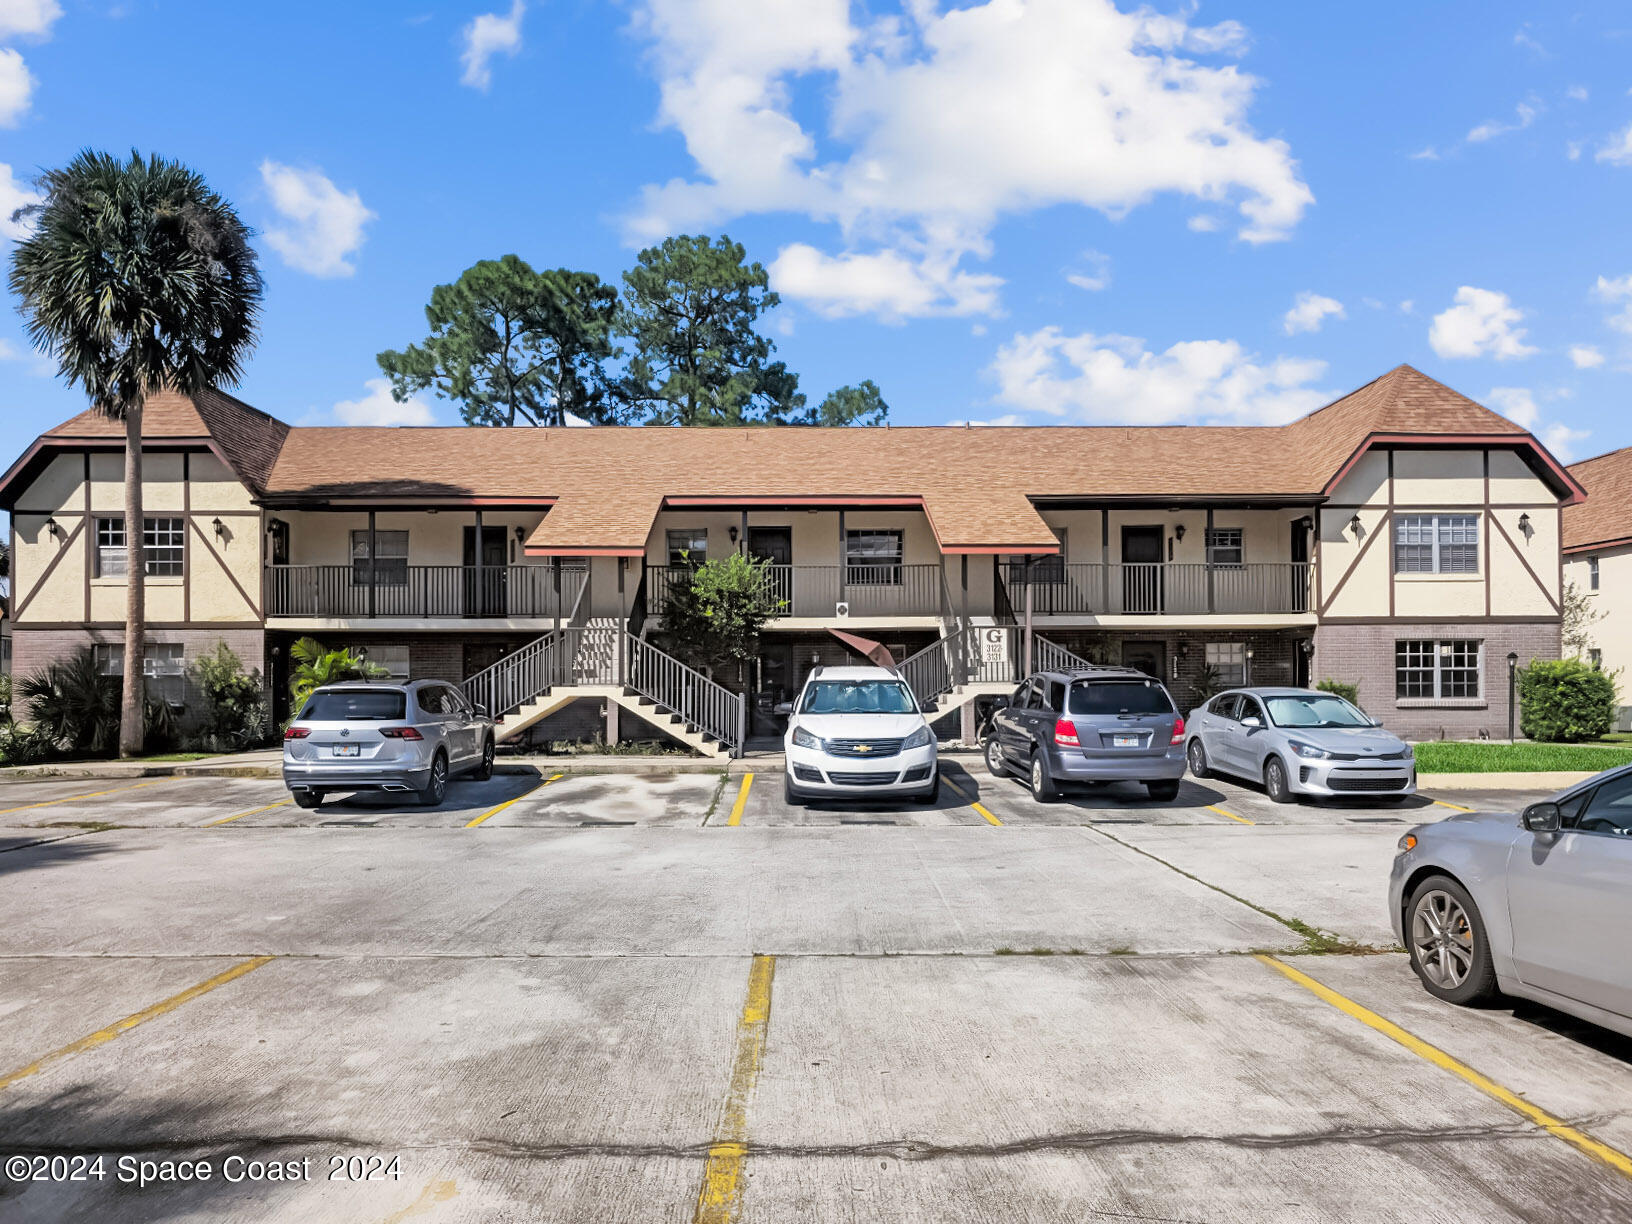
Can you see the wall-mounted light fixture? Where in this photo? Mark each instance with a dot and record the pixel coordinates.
(1524, 525)
(219, 527)
(1178, 531)
(731, 534)
(1356, 527)
(51, 528)
(521, 534)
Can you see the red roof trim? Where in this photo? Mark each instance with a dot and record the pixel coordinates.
(1598, 545)
(763, 499)
(566, 551)
(1514, 440)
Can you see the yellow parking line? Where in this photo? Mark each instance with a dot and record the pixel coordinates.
(1457, 807)
(103, 1036)
(252, 811)
(721, 1191)
(1557, 1127)
(508, 802)
(742, 800)
(1238, 819)
(979, 808)
(91, 795)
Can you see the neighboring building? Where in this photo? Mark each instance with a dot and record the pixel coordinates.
(1598, 560)
(1403, 538)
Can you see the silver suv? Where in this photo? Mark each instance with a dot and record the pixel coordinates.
(387, 737)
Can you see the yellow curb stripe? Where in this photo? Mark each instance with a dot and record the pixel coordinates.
(495, 811)
(92, 795)
(1557, 1127)
(980, 809)
(742, 800)
(1455, 807)
(252, 812)
(103, 1036)
(721, 1192)
(1231, 815)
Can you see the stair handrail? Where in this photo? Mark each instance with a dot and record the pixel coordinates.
(518, 678)
(1051, 656)
(704, 705)
(931, 672)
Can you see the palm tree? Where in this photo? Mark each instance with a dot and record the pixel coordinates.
(136, 277)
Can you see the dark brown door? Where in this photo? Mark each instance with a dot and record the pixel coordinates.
(776, 685)
(485, 598)
(1300, 566)
(1148, 657)
(775, 546)
(1142, 569)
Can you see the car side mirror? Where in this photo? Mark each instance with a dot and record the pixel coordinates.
(782, 707)
(1000, 703)
(1543, 818)
(480, 710)
(1252, 720)
(927, 707)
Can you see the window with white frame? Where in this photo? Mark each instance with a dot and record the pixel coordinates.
(688, 545)
(390, 558)
(393, 658)
(1592, 573)
(872, 558)
(162, 538)
(1229, 660)
(109, 658)
(110, 548)
(1436, 544)
(1436, 669)
(1226, 546)
(164, 673)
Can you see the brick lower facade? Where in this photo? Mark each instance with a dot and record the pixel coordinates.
(1363, 654)
(1278, 655)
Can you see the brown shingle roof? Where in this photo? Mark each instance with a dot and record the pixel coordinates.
(1606, 516)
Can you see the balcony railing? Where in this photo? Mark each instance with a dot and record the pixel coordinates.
(818, 590)
(422, 590)
(1158, 588)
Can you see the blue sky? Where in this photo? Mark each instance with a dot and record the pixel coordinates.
(1031, 210)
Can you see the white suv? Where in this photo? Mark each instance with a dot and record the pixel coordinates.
(858, 731)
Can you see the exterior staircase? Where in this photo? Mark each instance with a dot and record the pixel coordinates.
(978, 660)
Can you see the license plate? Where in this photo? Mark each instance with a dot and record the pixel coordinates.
(1124, 741)
(348, 749)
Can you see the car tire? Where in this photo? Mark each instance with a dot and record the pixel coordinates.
(1276, 783)
(1457, 968)
(307, 798)
(995, 764)
(484, 771)
(933, 794)
(436, 784)
(1043, 788)
(1164, 792)
(790, 796)
(1196, 756)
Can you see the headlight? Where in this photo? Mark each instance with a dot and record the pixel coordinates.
(1408, 752)
(1408, 842)
(804, 739)
(920, 738)
(1307, 751)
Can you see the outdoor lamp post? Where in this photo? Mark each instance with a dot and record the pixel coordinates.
(1512, 675)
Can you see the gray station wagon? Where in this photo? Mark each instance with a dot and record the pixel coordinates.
(407, 738)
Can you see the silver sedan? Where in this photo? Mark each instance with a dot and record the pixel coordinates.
(1536, 906)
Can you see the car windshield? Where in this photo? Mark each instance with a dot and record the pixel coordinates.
(341, 705)
(1314, 710)
(1119, 697)
(858, 697)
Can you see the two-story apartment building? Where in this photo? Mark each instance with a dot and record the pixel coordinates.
(1598, 560)
(1403, 538)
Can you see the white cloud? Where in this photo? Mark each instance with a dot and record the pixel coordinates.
(886, 283)
(327, 227)
(936, 124)
(487, 36)
(1517, 404)
(1572, 150)
(1106, 379)
(1202, 223)
(1427, 153)
(1408, 306)
(1576, 93)
(14, 195)
(1617, 150)
(1586, 356)
(28, 18)
(378, 408)
(1008, 418)
(1561, 440)
(16, 88)
(1096, 275)
(1492, 128)
(1309, 311)
(1616, 291)
(1482, 323)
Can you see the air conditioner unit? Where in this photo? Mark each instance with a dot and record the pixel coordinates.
(842, 609)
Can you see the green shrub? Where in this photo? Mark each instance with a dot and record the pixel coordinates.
(317, 665)
(1565, 701)
(21, 745)
(161, 725)
(1209, 684)
(1349, 692)
(233, 715)
(73, 705)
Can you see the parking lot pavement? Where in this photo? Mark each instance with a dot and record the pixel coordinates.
(613, 801)
(763, 806)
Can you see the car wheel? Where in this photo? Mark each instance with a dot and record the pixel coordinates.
(1164, 791)
(789, 795)
(933, 794)
(1280, 790)
(307, 798)
(1042, 786)
(1446, 938)
(436, 786)
(1198, 758)
(484, 771)
(995, 765)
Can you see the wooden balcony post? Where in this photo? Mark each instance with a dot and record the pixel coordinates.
(1029, 585)
(372, 584)
(1206, 544)
(481, 590)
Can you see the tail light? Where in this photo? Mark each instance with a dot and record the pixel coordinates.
(1178, 731)
(411, 733)
(296, 733)
(1065, 732)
